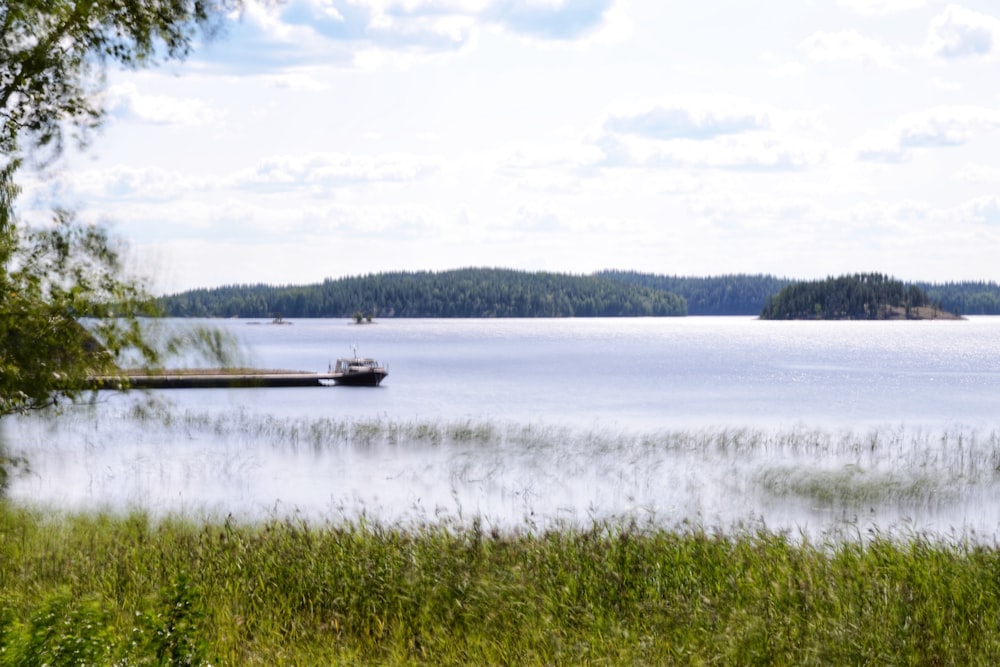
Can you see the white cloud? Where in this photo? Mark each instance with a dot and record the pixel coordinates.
(880, 7)
(762, 151)
(963, 33)
(120, 182)
(398, 222)
(931, 128)
(550, 168)
(753, 210)
(945, 126)
(558, 20)
(533, 219)
(945, 84)
(124, 101)
(526, 156)
(881, 146)
(847, 45)
(982, 210)
(786, 70)
(717, 132)
(979, 174)
(375, 34)
(688, 118)
(314, 173)
(327, 169)
(296, 81)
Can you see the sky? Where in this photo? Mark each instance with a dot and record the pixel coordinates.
(320, 139)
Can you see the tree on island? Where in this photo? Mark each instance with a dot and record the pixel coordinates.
(54, 56)
(861, 296)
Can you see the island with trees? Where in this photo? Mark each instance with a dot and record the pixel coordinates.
(861, 296)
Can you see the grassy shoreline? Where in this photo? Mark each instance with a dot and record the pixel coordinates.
(127, 590)
(148, 588)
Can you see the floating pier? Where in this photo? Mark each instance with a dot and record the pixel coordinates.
(214, 378)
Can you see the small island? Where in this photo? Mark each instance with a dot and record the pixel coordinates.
(861, 296)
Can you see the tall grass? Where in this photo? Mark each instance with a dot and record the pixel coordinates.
(127, 590)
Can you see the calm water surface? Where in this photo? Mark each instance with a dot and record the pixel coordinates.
(599, 398)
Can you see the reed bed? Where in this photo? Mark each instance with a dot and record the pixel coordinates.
(101, 589)
(412, 471)
(659, 587)
(832, 468)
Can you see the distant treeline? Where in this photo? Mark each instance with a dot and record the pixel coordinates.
(748, 294)
(458, 293)
(965, 298)
(862, 296)
(734, 294)
(481, 292)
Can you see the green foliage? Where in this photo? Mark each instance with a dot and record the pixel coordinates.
(53, 55)
(459, 293)
(173, 634)
(741, 294)
(69, 314)
(49, 279)
(734, 294)
(286, 592)
(510, 294)
(868, 296)
(63, 631)
(967, 298)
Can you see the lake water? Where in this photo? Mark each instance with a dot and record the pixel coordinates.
(794, 425)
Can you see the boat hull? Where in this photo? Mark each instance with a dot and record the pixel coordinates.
(362, 379)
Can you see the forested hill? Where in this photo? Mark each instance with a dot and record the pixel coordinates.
(868, 296)
(966, 298)
(508, 293)
(734, 294)
(458, 293)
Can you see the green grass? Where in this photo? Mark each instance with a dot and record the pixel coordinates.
(127, 590)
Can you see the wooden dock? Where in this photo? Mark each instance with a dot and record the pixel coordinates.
(213, 379)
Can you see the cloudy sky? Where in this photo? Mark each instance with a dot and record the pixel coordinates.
(328, 138)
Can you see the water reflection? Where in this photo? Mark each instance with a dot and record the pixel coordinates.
(138, 453)
(12, 466)
(717, 421)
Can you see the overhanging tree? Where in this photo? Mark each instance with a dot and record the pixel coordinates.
(54, 56)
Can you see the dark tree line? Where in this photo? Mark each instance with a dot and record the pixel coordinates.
(966, 298)
(505, 293)
(745, 294)
(734, 294)
(458, 293)
(864, 296)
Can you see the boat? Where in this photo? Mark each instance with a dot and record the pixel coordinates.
(358, 371)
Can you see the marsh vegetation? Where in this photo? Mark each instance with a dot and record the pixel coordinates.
(165, 460)
(479, 541)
